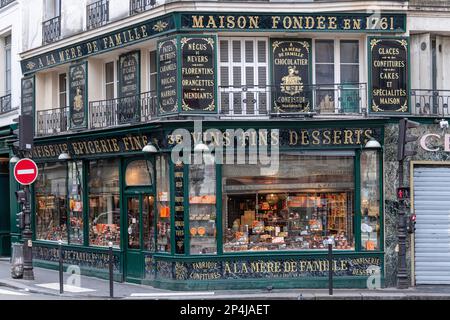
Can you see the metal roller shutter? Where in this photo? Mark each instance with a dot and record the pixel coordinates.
(432, 238)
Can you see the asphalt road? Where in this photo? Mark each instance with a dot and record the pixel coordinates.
(10, 294)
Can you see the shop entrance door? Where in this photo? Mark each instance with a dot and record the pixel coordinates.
(139, 234)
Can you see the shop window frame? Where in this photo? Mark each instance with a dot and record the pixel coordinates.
(218, 206)
(171, 201)
(121, 203)
(337, 81)
(318, 252)
(84, 194)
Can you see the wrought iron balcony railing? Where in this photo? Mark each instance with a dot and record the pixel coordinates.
(4, 3)
(51, 30)
(430, 102)
(138, 6)
(52, 121)
(293, 100)
(129, 110)
(97, 14)
(5, 104)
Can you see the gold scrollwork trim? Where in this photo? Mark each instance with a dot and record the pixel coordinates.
(373, 43)
(183, 41)
(403, 108)
(186, 107)
(403, 43)
(305, 45)
(275, 45)
(211, 107)
(376, 108)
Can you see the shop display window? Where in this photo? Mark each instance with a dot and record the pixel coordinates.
(51, 202)
(370, 201)
(148, 220)
(202, 209)
(309, 201)
(75, 183)
(163, 204)
(104, 202)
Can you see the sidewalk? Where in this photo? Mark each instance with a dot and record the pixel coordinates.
(47, 282)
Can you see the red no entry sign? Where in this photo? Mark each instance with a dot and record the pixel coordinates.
(26, 172)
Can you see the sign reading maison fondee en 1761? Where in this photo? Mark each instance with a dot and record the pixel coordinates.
(388, 89)
(365, 22)
(78, 95)
(291, 76)
(129, 87)
(282, 22)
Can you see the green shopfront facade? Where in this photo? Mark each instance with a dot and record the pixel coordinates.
(217, 225)
(296, 83)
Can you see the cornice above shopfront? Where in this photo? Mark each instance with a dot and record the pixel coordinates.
(198, 21)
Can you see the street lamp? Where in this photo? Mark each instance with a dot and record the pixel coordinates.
(150, 148)
(372, 144)
(201, 147)
(14, 159)
(64, 156)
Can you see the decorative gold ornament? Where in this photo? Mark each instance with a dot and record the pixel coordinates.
(373, 43)
(160, 26)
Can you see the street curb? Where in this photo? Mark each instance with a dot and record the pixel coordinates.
(26, 288)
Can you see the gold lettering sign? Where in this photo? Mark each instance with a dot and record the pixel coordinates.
(356, 22)
(91, 147)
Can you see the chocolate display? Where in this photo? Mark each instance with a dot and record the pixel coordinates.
(291, 221)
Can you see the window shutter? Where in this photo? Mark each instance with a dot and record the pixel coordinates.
(261, 51)
(223, 51)
(249, 51)
(236, 51)
(243, 63)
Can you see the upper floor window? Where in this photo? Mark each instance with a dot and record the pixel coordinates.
(51, 27)
(337, 61)
(137, 6)
(109, 81)
(243, 76)
(4, 3)
(62, 79)
(52, 9)
(97, 13)
(153, 71)
(337, 76)
(8, 65)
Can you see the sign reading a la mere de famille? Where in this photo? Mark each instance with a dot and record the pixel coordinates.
(195, 21)
(129, 87)
(78, 96)
(291, 61)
